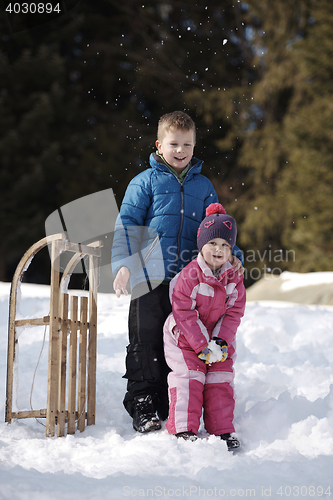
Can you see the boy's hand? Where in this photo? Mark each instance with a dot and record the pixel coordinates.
(120, 282)
(237, 264)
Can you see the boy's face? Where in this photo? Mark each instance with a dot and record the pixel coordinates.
(177, 147)
(216, 253)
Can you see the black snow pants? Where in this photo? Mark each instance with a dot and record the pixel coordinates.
(146, 368)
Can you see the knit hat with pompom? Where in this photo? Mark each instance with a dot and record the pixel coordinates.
(216, 224)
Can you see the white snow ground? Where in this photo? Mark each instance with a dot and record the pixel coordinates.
(284, 417)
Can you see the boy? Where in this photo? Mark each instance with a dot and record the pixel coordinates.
(170, 198)
(208, 302)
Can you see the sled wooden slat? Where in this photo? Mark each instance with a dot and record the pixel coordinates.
(42, 322)
(52, 382)
(82, 363)
(72, 366)
(63, 323)
(92, 350)
(33, 321)
(62, 366)
(30, 414)
(41, 414)
(82, 249)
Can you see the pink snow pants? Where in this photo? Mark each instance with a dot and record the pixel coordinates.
(193, 385)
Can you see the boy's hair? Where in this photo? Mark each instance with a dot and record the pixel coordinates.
(177, 120)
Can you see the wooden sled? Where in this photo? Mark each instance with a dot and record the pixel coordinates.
(62, 322)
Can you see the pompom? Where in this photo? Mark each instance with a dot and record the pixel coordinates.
(215, 208)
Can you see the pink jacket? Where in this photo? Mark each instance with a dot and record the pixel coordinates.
(204, 307)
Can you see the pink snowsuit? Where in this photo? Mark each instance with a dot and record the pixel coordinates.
(203, 307)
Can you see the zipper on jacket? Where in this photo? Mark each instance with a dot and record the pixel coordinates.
(182, 219)
(182, 213)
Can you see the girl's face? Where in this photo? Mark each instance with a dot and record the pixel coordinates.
(177, 147)
(216, 252)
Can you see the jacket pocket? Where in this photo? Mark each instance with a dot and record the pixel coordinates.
(142, 363)
(183, 343)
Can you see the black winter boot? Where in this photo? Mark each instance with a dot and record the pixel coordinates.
(233, 443)
(144, 415)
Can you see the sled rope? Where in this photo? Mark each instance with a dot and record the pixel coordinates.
(33, 379)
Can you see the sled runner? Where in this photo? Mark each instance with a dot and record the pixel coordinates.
(72, 332)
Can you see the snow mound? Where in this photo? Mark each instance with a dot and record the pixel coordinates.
(299, 288)
(283, 417)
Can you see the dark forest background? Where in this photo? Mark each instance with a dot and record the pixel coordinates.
(81, 95)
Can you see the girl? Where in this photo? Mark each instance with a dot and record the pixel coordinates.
(208, 302)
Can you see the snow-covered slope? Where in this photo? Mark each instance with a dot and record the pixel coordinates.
(299, 288)
(284, 417)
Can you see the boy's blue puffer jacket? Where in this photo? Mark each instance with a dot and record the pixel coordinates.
(155, 204)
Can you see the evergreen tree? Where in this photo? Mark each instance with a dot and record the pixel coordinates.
(308, 135)
(82, 95)
(279, 125)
